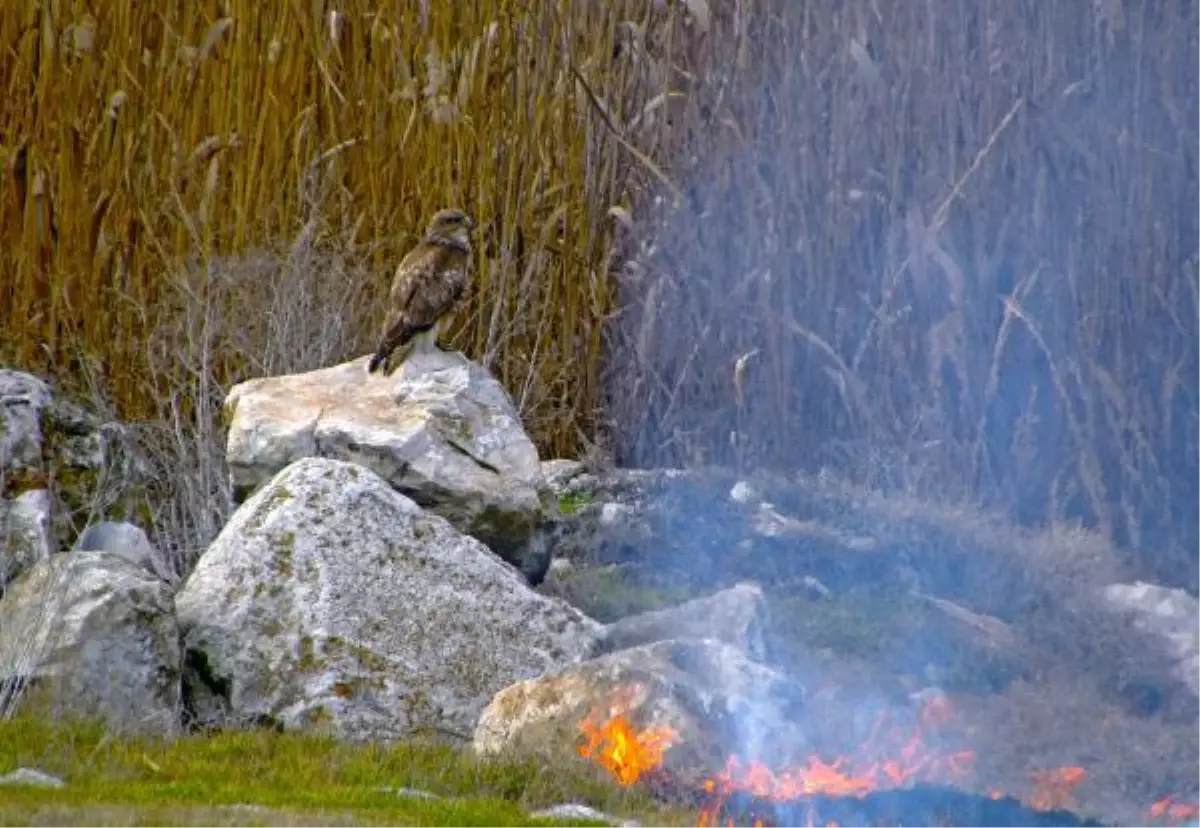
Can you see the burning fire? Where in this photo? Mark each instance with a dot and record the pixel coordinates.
(629, 754)
(909, 759)
(1167, 808)
(626, 752)
(1055, 788)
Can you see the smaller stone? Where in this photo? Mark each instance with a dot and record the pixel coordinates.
(410, 793)
(573, 810)
(715, 700)
(614, 514)
(100, 635)
(25, 536)
(735, 616)
(743, 492)
(1165, 615)
(126, 541)
(558, 473)
(23, 398)
(32, 777)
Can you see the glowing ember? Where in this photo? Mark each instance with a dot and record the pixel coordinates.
(1168, 809)
(1055, 788)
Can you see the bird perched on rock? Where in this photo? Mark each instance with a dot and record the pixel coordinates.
(427, 288)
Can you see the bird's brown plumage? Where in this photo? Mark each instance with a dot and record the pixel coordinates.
(428, 285)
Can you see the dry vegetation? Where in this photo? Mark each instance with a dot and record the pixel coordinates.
(945, 247)
(949, 248)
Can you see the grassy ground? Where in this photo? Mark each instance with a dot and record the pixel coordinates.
(268, 778)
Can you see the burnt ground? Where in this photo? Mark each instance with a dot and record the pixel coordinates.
(1040, 675)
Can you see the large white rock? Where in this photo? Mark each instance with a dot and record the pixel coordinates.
(25, 533)
(23, 398)
(330, 600)
(716, 700)
(440, 429)
(97, 633)
(1169, 618)
(74, 461)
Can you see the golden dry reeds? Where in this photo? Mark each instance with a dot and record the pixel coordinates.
(145, 143)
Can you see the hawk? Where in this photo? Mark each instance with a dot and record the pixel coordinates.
(428, 285)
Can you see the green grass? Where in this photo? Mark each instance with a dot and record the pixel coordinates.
(269, 778)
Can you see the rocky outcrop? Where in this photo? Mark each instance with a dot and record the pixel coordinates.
(59, 462)
(332, 601)
(706, 526)
(713, 698)
(1168, 619)
(736, 616)
(25, 402)
(440, 430)
(932, 591)
(25, 536)
(93, 634)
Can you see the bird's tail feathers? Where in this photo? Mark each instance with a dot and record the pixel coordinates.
(398, 337)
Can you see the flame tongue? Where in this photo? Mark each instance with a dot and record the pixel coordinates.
(1168, 809)
(1053, 789)
(815, 777)
(627, 752)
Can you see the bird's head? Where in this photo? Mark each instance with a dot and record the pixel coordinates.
(451, 223)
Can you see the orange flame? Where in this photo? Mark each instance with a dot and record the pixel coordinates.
(1168, 809)
(629, 754)
(1055, 788)
(910, 760)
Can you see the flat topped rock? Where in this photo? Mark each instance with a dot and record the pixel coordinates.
(440, 429)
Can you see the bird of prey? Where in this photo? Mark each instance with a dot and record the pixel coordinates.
(427, 288)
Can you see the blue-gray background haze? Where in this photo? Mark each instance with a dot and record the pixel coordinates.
(954, 245)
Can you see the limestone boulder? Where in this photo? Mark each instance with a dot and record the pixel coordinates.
(736, 616)
(713, 698)
(25, 536)
(85, 463)
(24, 400)
(440, 430)
(1168, 619)
(331, 601)
(94, 634)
